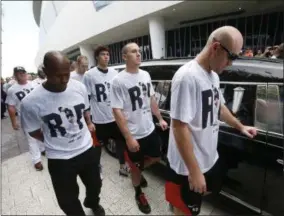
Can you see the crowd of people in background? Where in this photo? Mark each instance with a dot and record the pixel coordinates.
(274, 52)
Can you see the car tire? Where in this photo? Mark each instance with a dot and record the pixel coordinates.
(110, 147)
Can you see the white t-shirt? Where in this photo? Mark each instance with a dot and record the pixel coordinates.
(196, 100)
(38, 81)
(8, 85)
(17, 92)
(60, 116)
(75, 75)
(132, 93)
(98, 86)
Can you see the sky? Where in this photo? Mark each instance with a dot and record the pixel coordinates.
(20, 37)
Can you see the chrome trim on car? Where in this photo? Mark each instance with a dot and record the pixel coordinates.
(230, 196)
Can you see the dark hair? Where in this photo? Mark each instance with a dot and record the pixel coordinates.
(100, 49)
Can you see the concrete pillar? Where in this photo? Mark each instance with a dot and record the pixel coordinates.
(157, 35)
(87, 50)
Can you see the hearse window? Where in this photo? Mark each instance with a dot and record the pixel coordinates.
(240, 100)
(269, 108)
(161, 72)
(162, 93)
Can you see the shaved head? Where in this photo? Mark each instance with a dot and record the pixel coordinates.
(228, 36)
(126, 47)
(53, 58)
(222, 48)
(56, 66)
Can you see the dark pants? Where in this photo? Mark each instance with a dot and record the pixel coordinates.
(111, 131)
(64, 179)
(3, 109)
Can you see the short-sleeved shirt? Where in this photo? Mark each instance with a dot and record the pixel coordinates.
(60, 116)
(17, 92)
(196, 100)
(75, 75)
(132, 93)
(98, 85)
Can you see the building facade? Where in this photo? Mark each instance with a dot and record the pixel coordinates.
(161, 28)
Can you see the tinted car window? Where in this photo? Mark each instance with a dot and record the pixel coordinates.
(240, 100)
(269, 108)
(162, 93)
(161, 72)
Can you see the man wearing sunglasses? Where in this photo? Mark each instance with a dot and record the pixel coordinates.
(197, 105)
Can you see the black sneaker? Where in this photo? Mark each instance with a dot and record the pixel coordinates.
(143, 182)
(99, 211)
(143, 204)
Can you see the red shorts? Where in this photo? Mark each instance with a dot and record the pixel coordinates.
(181, 197)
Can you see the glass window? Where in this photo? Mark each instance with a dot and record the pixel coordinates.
(162, 91)
(269, 108)
(240, 101)
(161, 72)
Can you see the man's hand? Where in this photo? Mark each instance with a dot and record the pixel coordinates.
(15, 126)
(197, 182)
(132, 145)
(91, 127)
(250, 132)
(163, 124)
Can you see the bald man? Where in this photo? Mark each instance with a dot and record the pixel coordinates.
(197, 105)
(57, 113)
(82, 66)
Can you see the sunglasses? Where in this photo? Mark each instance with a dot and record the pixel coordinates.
(231, 56)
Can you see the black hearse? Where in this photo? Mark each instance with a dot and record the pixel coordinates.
(254, 92)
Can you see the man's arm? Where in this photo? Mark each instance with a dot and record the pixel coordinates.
(87, 117)
(226, 116)
(182, 136)
(12, 113)
(155, 108)
(183, 109)
(38, 135)
(30, 120)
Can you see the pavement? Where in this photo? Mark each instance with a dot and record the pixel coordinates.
(26, 191)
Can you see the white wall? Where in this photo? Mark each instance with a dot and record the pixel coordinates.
(79, 20)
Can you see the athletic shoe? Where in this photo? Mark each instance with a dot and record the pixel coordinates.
(142, 203)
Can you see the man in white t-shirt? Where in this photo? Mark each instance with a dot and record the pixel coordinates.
(197, 105)
(41, 76)
(57, 113)
(82, 67)
(98, 83)
(133, 102)
(15, 95)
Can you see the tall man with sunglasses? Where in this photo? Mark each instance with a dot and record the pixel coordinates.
(197, 105)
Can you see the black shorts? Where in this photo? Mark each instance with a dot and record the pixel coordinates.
(214, 181)
(150, 146)
(108, 131)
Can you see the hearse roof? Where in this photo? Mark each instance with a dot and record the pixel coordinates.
(261, 66)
